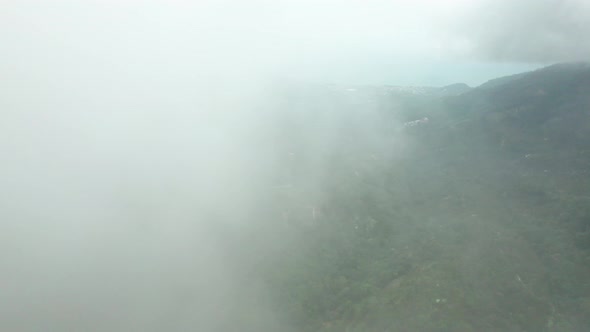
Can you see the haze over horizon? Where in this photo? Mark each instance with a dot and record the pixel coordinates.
(376, 42)
(436, 74)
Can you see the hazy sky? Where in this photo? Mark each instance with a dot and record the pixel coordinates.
(368, 41)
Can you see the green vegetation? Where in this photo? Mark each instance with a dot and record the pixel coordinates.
(476, 221)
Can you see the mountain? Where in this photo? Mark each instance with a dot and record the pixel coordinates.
(475, 220)
(548, 105)
(501, 80)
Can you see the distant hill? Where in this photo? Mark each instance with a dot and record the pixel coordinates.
(455, 89)
(449, 90)
(406, 91)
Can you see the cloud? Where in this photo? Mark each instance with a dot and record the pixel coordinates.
(232, 39)
(526, 30)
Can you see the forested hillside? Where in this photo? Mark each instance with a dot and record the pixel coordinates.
(475, 219)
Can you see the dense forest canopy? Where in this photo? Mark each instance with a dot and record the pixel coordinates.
(477, 222)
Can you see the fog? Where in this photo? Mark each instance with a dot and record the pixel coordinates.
(143, 144)
(528, 31)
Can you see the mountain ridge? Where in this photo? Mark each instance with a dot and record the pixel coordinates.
(478, 221)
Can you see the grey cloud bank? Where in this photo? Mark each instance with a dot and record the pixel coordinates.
(528, 31)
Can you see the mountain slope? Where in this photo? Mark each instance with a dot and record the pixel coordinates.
(476, 220)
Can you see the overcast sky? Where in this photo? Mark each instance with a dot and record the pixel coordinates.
(417, 42)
